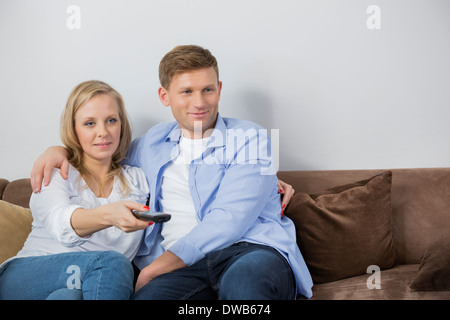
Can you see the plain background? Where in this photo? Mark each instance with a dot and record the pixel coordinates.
(342, 95)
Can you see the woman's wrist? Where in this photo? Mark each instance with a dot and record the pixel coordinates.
(87, 221)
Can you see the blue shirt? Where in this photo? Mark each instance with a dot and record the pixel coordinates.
(234, 189)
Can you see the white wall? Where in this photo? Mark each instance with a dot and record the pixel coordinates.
(343, 96)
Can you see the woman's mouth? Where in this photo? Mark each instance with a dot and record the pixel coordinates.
(103, 145)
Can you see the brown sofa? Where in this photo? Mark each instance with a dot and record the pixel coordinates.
(364, 234)
(412, 246)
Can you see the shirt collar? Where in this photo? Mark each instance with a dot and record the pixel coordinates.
(216, 138)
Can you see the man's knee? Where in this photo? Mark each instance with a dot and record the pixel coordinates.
(157, 289)
(259, 274)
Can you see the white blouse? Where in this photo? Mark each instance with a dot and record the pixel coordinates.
(52, 209)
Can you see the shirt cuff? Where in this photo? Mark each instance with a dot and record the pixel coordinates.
(66, 234)
(186, 251)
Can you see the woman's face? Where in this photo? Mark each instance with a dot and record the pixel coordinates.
(98, 125)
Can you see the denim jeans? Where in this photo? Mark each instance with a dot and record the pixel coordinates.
(94, 275)
(243, 271)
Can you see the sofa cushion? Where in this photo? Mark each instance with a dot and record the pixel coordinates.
(394, 285)
(343, 230)
(434, 269)
(15, 225)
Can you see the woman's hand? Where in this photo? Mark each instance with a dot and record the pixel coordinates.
(120, 216)
(287, 191)
(87, 221)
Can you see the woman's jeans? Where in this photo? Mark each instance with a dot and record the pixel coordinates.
(94, 275)
(243, 271)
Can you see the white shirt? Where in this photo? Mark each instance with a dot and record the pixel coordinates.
(176, 196)
(52, 209)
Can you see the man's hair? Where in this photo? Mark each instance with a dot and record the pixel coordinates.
(183, 59)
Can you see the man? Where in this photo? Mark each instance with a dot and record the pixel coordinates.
(227, 238)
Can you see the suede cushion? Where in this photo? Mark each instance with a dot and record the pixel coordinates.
(15, 225)
(434, 268)
(343, 230)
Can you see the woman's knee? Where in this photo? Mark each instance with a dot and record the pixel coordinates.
(110, 277)
(118, 262)
(66, 294)
(115, 258)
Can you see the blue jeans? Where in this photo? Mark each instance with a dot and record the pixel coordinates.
(93, 275)
(243, 271)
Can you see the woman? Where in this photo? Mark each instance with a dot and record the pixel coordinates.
(83, 233)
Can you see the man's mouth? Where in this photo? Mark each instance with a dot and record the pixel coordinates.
(198, 114)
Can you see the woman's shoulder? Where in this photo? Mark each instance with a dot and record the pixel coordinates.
(56, 178)
(57, 185)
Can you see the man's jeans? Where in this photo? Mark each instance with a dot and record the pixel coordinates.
(94, 275)
(242, 271)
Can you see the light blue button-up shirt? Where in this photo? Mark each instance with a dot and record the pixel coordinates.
(234, 189)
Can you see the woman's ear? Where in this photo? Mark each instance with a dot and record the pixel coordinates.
(163, 96)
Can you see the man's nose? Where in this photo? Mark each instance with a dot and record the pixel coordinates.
(199, 100)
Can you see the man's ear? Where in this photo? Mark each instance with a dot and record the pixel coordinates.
(220, 88)
(163, 96)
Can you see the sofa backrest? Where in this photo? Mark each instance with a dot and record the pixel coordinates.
(420, 202)
(17, 192)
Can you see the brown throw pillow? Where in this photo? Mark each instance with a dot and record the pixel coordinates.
(434, 268)
(343, 230)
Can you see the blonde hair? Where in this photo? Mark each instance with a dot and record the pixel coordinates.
(79, 96)
(185, 58)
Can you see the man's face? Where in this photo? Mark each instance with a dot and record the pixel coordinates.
(194, 97)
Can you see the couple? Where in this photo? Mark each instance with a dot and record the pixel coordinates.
(227, 239)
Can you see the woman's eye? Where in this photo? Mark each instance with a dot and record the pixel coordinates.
(88, 124)
(112, 120)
